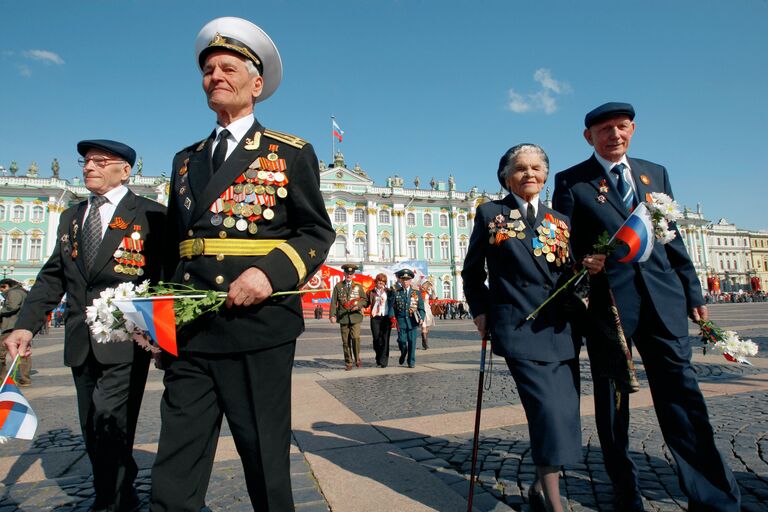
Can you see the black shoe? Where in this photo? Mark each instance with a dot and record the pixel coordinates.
(628, 503)
(536, 500)
(402, 358)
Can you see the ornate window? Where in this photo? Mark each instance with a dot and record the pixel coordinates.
(359, 215)
(340, 247)
(411, 245)
(384, 217)
(463, 248)
(429, 249)
(17, 214)
(443, 220)
(2, 212)
(37, 213)
(340, 215)
(427, 220)
(386, 248)
(359, 247)
(15, 248)
(462, 221)
(410, 219)
(447, 290)
(444, 251)
(35, 248)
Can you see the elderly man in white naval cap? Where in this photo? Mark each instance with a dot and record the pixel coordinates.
(246, 217)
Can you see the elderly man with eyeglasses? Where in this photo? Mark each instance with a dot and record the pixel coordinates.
(112, 237)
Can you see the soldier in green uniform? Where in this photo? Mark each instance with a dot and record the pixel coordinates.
(347, 304)
(246, 217)
(407, 312)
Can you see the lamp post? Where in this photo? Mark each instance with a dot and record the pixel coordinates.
(7, 270)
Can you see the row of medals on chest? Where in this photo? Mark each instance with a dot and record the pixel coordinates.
(249, 199)
(129, 257)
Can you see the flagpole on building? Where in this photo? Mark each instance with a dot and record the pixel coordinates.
(333, 141)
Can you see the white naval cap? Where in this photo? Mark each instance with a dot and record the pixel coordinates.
(243, 37)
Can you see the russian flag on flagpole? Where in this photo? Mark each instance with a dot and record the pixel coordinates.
(17, 419)
(637, 233)
(337, 131)
(155, 316)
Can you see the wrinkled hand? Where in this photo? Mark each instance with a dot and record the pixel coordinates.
(482, 325)
(699, 313)
(251, 287)
(19, 342)
(332, 319)
(594, 263)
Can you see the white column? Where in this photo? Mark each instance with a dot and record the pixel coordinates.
(403, 244)
(54, 216)
(454, 234)
(705, 248)
(395, 233)
(373, 232)
(350, 232)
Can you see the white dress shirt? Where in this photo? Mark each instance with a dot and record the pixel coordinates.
(612, 176)
(107, 210)
(524, 204)
(237, 130)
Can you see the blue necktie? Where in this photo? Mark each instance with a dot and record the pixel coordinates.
(624, 187)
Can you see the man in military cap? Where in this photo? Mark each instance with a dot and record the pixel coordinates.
(114, 237)
(653, 299)
(347, 303)
(245, 217)
(407, 312)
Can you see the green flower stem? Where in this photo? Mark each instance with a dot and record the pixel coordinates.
(557, 292)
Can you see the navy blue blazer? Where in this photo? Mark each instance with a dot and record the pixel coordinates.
(517, 282)
(667, 279)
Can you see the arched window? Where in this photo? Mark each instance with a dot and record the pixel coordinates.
(427, 220)
(37, 213)
(410, 219)
(340, 215)
(462, 221)
(359, 215)
(359, 247)
(443, 220)
(386, 248)
(17, 214)
(463, 248)
(15, 247)
(429, 249)
(384, 217)
(444, 250)
(35, 248)
(340, 247)
(411, 246)
(447, 290)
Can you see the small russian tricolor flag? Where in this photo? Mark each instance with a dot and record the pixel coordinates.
(337, 131)
(155, 316)
(637, 233)
(17, 419)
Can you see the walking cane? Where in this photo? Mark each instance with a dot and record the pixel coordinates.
(475, 439)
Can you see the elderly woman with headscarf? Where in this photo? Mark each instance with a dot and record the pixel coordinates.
(523, 244)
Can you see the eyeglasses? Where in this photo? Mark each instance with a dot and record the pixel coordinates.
(99, 161)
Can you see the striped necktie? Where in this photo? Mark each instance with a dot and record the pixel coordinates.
(624, 187)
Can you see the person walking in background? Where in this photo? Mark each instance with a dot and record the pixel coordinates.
(406, 310)
(427, 293)
(347, 303)
(14, 295)
(381, 326)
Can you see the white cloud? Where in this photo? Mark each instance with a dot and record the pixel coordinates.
(24, 70)
(45, 56)
(543, 100)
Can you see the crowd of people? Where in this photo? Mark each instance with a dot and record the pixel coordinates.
(246, 217)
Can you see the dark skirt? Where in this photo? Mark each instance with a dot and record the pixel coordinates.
(549, 393)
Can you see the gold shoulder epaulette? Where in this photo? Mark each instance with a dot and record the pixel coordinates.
(287, 138)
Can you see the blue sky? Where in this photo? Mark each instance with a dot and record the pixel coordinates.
(421, 87)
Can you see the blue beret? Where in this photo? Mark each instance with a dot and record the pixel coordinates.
(607, 111)
(119, 149)
(404, 273)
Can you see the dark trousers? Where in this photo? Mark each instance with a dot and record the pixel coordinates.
(253, 390)
(406, 341)
(682, 413)
(381, 328)
(108, 402)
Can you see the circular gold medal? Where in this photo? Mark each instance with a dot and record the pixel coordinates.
(550, 257)
(252, 228)
(238, 188)
(537, 252)
(229, 222)
(520, 235)
(247, 210)
(237, 208)
(546, 249)
(268, 213)
(269, 189)
(262, 174)
(282, 193)
(272, 157)
(248, 188)
(118, 268)
(259, 189)
(251, 174)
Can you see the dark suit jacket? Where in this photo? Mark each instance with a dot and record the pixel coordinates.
(668, 275)
(300, 219)
(64, 272)
(518, 281)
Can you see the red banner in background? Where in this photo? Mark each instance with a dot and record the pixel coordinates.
(326, 278)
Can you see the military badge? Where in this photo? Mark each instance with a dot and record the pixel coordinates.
(603, 186)
(648, 197)
(600, 198)
(253, 144)
(645, 179)
(118, 223)
(183, 169)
